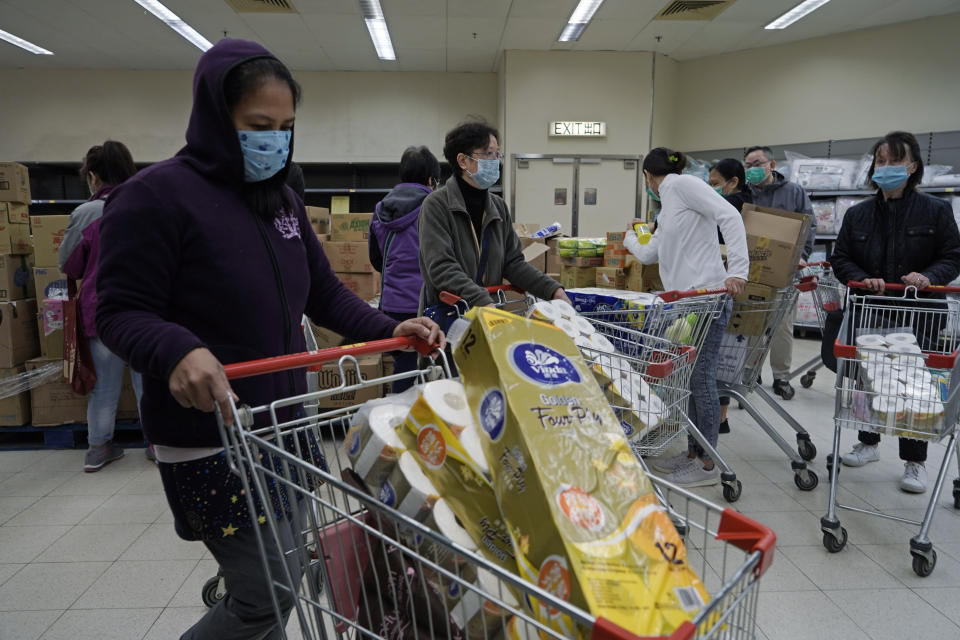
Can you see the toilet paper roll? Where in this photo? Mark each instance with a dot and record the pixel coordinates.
(905, 347)
(602, 343)
(565, 309)
(567, 327)
(374, 447)
(477, 614)
(544, 311)
(585, 344)
(445, 522)
(878, 352)
(900, 338)
(470, 439)
(583, 325)
(870, 340)
(449, 401)
(408, 490)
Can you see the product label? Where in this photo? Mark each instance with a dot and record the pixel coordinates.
(492, 414)
(581, 509)
(387, 494)
(431, 447)
(354, 443)
(554, 578)
(628, 429)
(543, 365)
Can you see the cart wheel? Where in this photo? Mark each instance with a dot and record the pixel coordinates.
(209, 592)
(956, 499)
(806, 380)
(807, 450)
(833, 544)
(731, 492)
(806, 480)
(922, 566)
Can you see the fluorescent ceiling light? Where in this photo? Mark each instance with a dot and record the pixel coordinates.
(23, 44)
(579, 20)
(804, 8)
(173, 21)
(377, 26)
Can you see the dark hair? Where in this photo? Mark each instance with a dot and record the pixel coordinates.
(731, 168)
(110, 161)
(661, 161)
(471, 134)
(266, 198)
(418, 164)
(899, 142)
(767, 152)
(295, 180)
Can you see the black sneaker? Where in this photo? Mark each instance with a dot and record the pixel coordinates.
(725, 427)
(783, 389)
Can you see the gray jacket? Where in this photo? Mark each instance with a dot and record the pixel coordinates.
(80, 219)
(450, 250)
(789, 196)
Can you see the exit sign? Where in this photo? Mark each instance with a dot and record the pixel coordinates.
(577, 129)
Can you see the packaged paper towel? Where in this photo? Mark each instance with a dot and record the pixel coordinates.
(372, 444)
(582, 514)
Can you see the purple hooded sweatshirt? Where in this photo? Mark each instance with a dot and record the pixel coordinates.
(396, 218)
(184, 263)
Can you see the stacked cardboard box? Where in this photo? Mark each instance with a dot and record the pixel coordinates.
(55, 403)
(579, 272)
(14, 410)
(14, 200)
(349, 255)
(319, 220)
(642, 277)
(329, 378)
(48, 232)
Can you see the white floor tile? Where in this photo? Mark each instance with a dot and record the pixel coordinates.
(23, 544)
(105, 482)
(792, 527)
(761, 495)
(174, 621)
(791, 615)
(189, 594)
(147, 481)
(128, 509)
(7, 571)
(849, 569)
(14, 461)
(943, 599)
(49, 585)
(894, 614)
(12, 505)
(34, 483)
(57, 510)
(896, 559)
(783, 575)
(93, 542)
(25, 625)
(161, 542)
(128, 584)
(102, 624)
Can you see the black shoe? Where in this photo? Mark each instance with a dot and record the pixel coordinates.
(783, 389)
(725, 427)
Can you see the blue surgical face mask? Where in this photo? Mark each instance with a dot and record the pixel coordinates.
(264, 153)
(654, 196)
(488, 172)
(890, 178)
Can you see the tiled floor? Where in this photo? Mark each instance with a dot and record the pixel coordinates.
(94, 556)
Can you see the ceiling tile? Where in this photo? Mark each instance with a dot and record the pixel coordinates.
(530, 33)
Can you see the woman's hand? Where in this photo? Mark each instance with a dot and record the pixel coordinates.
(917, 280)
(199, 382)
(633, 223)
(424, 328)
(735, 286)
(560, 294)
(876, 285)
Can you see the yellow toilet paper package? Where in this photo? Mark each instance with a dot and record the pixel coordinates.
(582, 513)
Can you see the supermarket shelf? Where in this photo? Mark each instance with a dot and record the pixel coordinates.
(870, 192)
(327, 191)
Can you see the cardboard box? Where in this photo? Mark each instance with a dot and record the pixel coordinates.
(365, 285)
(319, 219)
(553, 255)
(348, 257)
(325, 337)
(50, 283)
(14, 213)
(340, 204)
(15, 238)
(324, 239)
(47, 235)
(350, 227)
(775, 241)
(643, 277)
(581, 262)
(16, 277)
(14, 410)
(50, 327)
(731, 356)
(752, 310)
(576, 277)
(329, 378)
(55, 403)
(535, 253)
(611, 278)
(127, 406)
(615, 237)
(14, 182)
(18, 332)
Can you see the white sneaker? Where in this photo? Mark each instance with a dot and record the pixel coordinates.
(861, 455)
(671, 464)
(914, 478)
(693, 474)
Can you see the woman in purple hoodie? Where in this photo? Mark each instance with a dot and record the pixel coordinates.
(209, 258)
(104, 167)
(395, 245)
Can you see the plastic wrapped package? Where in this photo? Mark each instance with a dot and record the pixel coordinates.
(699, 168)
(947, 179)
(932, 172)
(824, 211)
(821, 173)
(863, 168)
(844, 203)
(17, 384)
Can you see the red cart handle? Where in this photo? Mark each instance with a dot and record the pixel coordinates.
(823, 263)
(896, 286)
(673, 296)
(808, 283)
(239, 370)
(451, 298)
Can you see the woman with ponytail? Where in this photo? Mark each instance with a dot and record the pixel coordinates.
(104, 167)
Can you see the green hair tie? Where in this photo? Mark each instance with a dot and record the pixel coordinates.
(674, 159)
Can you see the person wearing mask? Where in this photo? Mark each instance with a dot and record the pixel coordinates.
(462, 221)
(904, 236)
(686, 246)
(772, 189)
(209, 258)
(727, 178)
(104, 167)
(394, 245)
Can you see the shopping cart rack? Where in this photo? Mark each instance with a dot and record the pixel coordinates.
(828, 295)
(906, 389)
(361, 569)
(742, 358)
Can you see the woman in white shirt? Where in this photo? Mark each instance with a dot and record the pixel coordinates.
(685, 244)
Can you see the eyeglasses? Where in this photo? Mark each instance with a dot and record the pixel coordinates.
(756, 163)
(488, 155)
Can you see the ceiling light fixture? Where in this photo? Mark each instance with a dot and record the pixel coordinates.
(579, 20)
(377, 26)
(23, 44)
(803, 9)
(173, 21)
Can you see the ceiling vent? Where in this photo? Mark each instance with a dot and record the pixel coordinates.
(693, 9)
(262, 6)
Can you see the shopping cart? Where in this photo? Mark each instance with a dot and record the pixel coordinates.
(506, 297)
(742, 356)
(828, 295)
(870, 398)
(366, 566)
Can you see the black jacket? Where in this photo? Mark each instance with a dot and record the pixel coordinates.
(889, 239)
